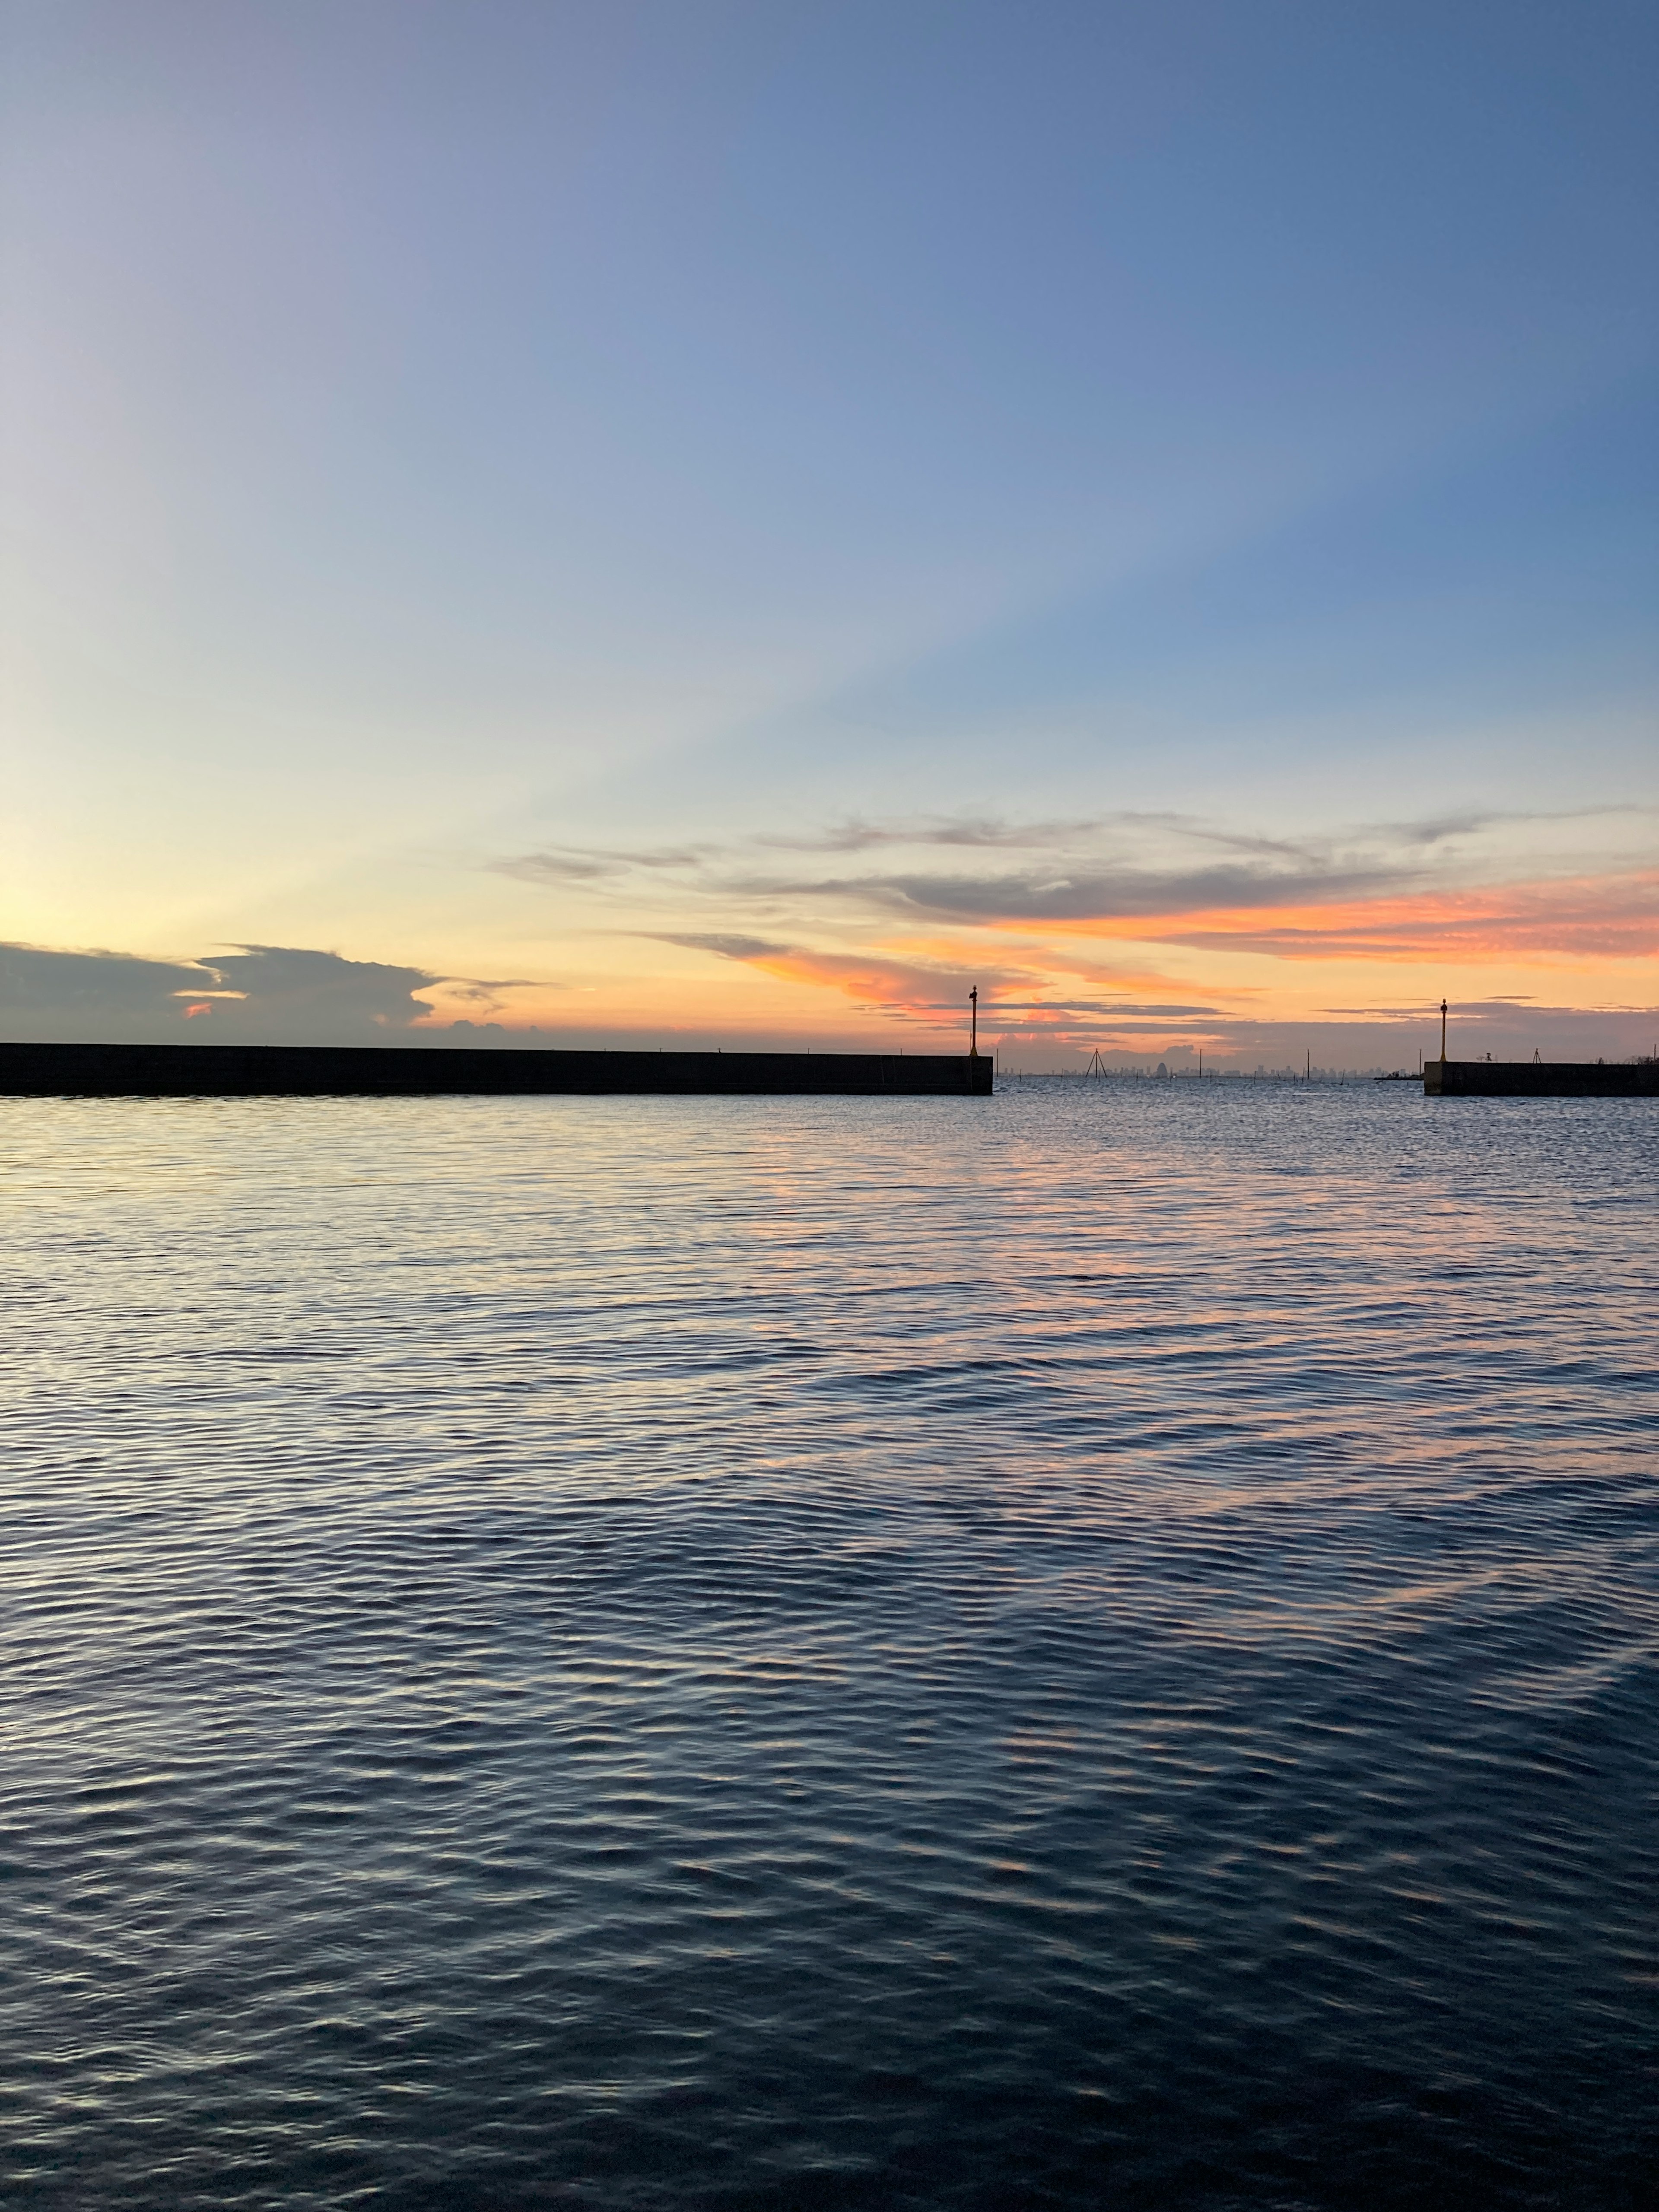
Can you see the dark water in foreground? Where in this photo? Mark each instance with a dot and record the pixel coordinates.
(1095, 1647)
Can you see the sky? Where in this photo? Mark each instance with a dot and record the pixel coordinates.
(723, 523)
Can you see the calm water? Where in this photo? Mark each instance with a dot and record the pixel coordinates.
(1095, 1647)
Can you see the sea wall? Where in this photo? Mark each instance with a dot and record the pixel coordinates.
(237, 1071)
(1531, 1078)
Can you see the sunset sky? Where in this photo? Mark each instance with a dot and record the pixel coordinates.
(730, 523)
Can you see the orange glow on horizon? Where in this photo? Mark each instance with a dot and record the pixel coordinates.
(1549, 924)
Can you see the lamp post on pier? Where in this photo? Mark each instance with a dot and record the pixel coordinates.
(973, 1023)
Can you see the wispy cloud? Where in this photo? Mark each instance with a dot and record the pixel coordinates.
(556, 868)
(854, 835)
(1076, 835)
(489, 994)
(730, 947)
(578, 864)
(1104, 896)
(913, 987)
(1432, 888)
(870, 979)
(1602, 918)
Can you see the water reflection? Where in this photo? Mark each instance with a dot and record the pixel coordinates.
(1094, 1648)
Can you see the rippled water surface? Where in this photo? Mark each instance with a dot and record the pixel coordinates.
(1091, 1647)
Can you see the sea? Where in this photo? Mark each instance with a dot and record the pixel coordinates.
(1092, 1647)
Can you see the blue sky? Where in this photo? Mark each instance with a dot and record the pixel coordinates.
(436, 436)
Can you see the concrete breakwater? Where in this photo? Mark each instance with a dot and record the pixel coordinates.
(260, 1071)
(1531, 1078)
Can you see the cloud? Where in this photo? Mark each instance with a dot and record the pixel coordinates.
(292, 993)
(555, 868)
(1602, 918)
(1164, 868)
(576, 864)
(856, 836)
(1091, 1010)
(874, 982)
(257, 994)
(583, 864)
(1389, 892)
(487, 992)
(1109, 896)
(897, 986)
(94, 989)
(1441, 829)
(871, 978)
(579, 864)
(1051, 937)
(731, 948)
(1493, 886)
(1165, 876)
